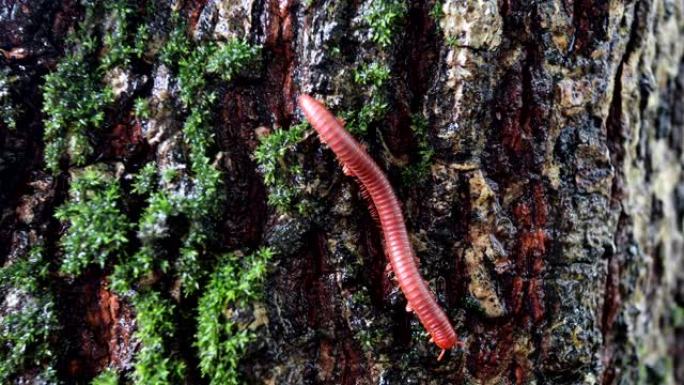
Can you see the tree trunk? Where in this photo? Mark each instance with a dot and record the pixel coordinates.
(167, 217)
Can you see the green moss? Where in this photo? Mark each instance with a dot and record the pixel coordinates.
(231, 58)
(74, 103)
(384, 18)
(280, 174)
(97, 227)
(7, 110)
(146, 179)
(452, 41)
(373, 74)
(115, 42)
(371, 337)
(142, 37)
(30, 323)
(191, 77)
(153, 222)
(152, 228)
(141, 108)
(177, 45)
(374, 78)
(420, 170)
(26, 274)
(107, 377)
(437, 11)
(154, 364)
(202, 205)
(74, 96)
(677, 316)
(235, 283)
(206, 177)
(25, 336)
(224, 60)
(369, 333)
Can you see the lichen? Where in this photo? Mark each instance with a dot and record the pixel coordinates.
(483, 247)
(477, 25)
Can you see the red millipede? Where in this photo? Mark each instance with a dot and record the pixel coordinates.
(398, 247)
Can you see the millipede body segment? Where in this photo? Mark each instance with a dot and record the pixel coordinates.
(398, 247)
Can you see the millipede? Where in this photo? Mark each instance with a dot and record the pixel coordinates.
(403, 260)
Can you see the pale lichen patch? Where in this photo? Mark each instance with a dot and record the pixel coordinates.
(475, 24)
(483, 245)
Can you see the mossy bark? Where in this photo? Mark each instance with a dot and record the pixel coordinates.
(536, 147)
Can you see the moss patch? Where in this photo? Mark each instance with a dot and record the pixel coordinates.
(29, 322)
(419, 170)
(373, 77)
(7, 109)
(221, 339)
(155, 364)
(75, 98)
(283, 175)
(384, 19)
(97, 226)
(108, 377)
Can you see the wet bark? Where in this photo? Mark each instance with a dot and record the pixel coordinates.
(548, 223)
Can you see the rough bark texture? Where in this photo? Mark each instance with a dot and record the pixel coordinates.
(547, 216)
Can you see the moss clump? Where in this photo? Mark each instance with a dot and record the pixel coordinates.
(437, 11)
(7, 109)
(107, 377)
(202, 205)
(74, 96)
(29, 321)
(97, 227)
(273, 156)
(384, 18)
(373, 77)
(235, 283)
(141, 108)
(177, 45)
(154, 364)
(420, 170)
(677, 315)
(146, 179)
(373, 74)
(74, 103)
(118, 50)
(152, 228)
(231, 58)
(225, 60)
(191, 77)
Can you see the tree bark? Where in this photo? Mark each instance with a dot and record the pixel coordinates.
(536, 148)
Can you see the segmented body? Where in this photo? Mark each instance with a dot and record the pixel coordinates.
(398, 247)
